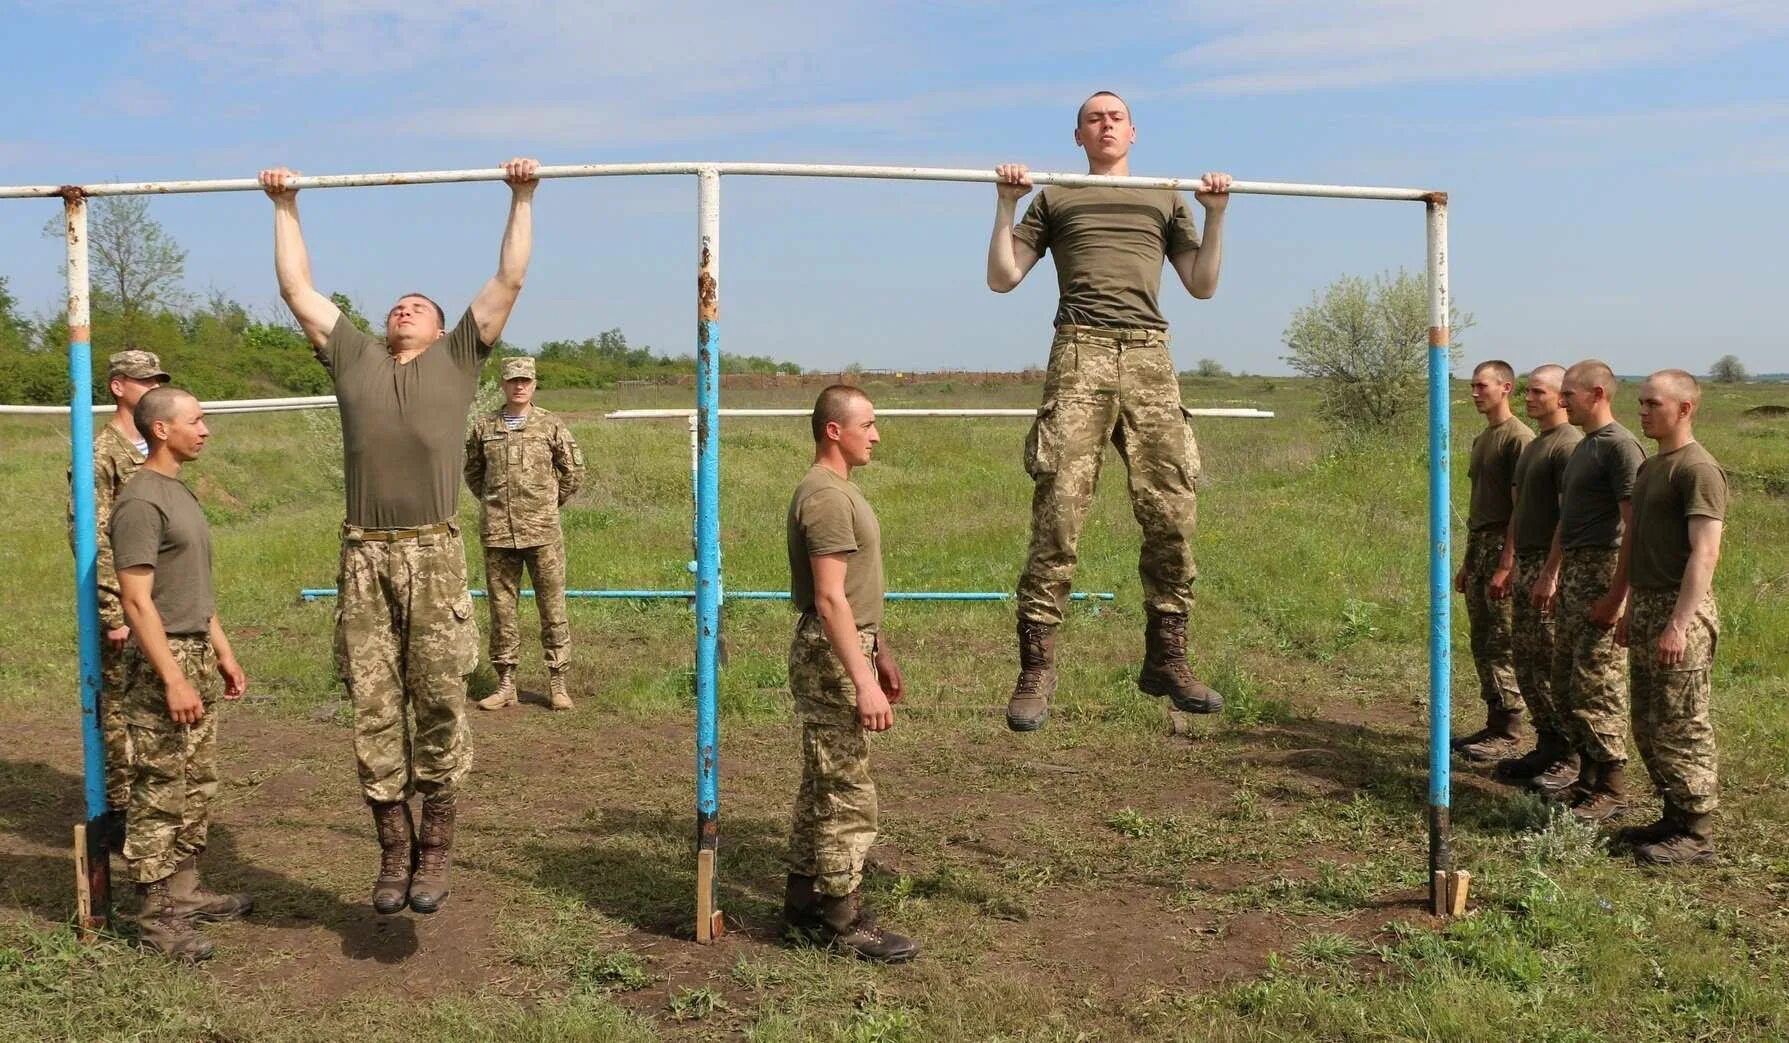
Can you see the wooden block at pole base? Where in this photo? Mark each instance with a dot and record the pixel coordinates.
(83, 892)
(1456, 892)
(1438, 892)
(709, 924)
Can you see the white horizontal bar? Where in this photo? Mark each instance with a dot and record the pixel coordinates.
(437, 177)
(672, 414)
(240, 405)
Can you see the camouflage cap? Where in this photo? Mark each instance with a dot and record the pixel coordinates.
(137, 365)
(518, 367)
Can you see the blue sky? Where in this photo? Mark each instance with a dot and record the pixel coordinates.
(1617, 167)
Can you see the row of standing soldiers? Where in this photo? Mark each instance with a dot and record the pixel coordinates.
(1588, 579)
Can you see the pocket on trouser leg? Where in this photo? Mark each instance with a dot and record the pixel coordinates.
(1043, 445)
(1194, 469)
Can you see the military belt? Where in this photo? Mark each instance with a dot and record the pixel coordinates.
(356, 534)
(1117, 336)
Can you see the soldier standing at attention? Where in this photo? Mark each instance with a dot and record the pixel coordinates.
(1111, 379)
(1487, 571)
(845, 684)
(1539, 475)
(162, 547)
(405, 641)
(1590, 685)
(118, 450)
(1671, 624)
(522, 464)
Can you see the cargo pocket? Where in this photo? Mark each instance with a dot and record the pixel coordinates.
(465, 636)
(1195, 467)
(1043, 446)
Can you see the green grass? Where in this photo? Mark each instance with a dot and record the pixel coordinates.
(1268, 862)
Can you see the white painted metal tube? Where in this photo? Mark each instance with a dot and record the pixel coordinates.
(986, 175)
(672, 414)
(240, 405)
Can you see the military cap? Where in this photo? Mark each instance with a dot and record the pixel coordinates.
(518, 367)
(137, 365)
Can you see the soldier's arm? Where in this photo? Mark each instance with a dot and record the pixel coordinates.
(474, 468)
(235, 681)
(1607, 609)
(1506, 561)
(873, 711)
(1009, 260)
(137, 585)
(1698, 578)
(888, 673)
(105, 494)
(1198, 268)
(568, 463)
(316, 314)
(491, 308)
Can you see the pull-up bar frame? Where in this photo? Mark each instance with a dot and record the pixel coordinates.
(1447, 886)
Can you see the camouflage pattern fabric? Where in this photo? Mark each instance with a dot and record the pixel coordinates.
(1671, 723)
(1590, 685)
(521, 477)
(503, 583)
(1491, 623)
(1117, 387)
(834, 822)
(405, 642)
(114, 673)
(1531, 640)
(174, 766)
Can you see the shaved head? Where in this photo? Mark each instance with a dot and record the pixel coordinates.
(1593, 373)
(164, 404)
(1500, 370)
(1550, 375)
(834, 406)
(1095, 96)
(1678, 384)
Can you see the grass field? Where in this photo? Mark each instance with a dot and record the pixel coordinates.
(1261, 878)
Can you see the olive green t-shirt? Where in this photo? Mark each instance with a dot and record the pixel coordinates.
(1672, 488)
(158, 522)
(1493, 473)
(403, 426)
(828, 515)
(1109, 244)
(1540, 474)
(1599, 475)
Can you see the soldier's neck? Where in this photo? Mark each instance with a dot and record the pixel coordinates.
(834, 462)
(524, 410)
(125, 424)
(1553, 420)
(163, 461)
(1677, 439)
(1498, 414)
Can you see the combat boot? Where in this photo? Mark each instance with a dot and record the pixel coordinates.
(1029, 706)
(1689, 844)
(505, 695)
(801, 905)
(1549, 747)
(560, 700)
(165, 931)
(191, 899)
(434, 854)
(1634, 836)
(1605, 797)
(1501, 733)
(1560, 776)
(1166, 671)
(845, 925)
(114, 830)
(397, 856)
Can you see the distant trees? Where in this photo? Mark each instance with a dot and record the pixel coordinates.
(1367, 344)
(1210, 368)
(1727, 370)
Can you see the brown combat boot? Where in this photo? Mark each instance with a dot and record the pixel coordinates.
(1549, 747)
(397, 856)
(434, 855)
(1029, 706)
(1604, 797)
(505, 695)
(192, 900)
(1166, 671)
(1689, 843)
(1498, 738)
(1559, 778)
(165, 931)
(801, 906)
(845, 925)
(559, 699)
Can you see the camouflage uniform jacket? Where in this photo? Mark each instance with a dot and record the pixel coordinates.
(115, 459)
(521, 477)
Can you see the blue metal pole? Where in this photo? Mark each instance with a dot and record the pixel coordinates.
(93, 889)
(708, 548)
(1441, 875)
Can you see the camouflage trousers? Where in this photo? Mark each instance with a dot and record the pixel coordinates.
(1671, 723)
(1491, 624)
(503, 584)
(405, 642)
(1117, 387)
(1589, 668)
(173, 774)
(834, 822)
(114, 677)
(1531, 639)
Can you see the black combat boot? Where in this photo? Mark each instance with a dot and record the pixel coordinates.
(1166, 671)
(1549, 746)
(397, 856)
(1501, 733)
(848, 927)
(801, 905)
(1029, 706)
(1667, 824)
(434, 854)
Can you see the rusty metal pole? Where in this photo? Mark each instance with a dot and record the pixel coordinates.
(1442, 878)
(709, 923)
(93, 885)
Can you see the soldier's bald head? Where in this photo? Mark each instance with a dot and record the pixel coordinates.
(1679, 384)
(1551, 375)
(1593, 373)
(163, 404)
(835, 406)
